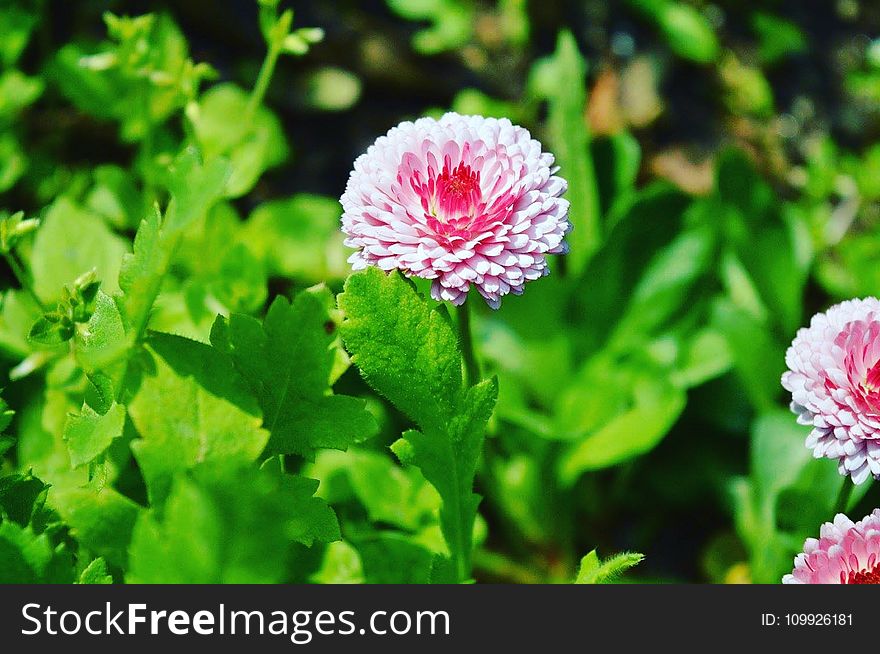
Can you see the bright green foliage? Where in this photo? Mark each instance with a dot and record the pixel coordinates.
(299, 237)
(192, 404)
(224, 524)
(194, 426)
(287, 363)
(30, 559)
(140, 78)
(595, 571)
(70, 242)
(251, 148)
(408, 352)
(96, 573)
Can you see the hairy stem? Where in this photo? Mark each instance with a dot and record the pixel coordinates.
(466, 342)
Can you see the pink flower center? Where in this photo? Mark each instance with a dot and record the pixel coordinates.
(456, 207)
(457, 193)
(870, 576)
(872, 380)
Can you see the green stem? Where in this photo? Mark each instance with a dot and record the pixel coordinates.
(262, 84)
(843, 497)
(23, 279)
(466, 342)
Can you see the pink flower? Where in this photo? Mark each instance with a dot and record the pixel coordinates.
(845, 553)
(834, 380)
(462, 200)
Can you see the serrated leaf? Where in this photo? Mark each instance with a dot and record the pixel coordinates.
(102, 340)
(594, 571)
(194, 188)
(21, 496)
(409, 353)
(228, 524)
(406, 350)
(287, 361)
(211, 368)
(192, 426)
(96, 573)
(100, 519)
(141, 272)
(90, 433)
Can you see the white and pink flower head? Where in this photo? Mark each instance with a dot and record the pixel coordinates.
(834, 380)
(463, 200)
(845, 553)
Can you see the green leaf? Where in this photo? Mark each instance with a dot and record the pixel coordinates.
(561, 80)
(90, 433)
(96, 573)
(13, 161)
(21, 496)
(451, 21)
(250, 148)
(116, 197)
(102, 341)
(142, 271)
(392, 494)
(211, 368)
(666, 288)
(657, 405)
(405, 350)
(70, 242)
(390, 558)
(594, 571)
(17, 91)
(195, 187)
(100, 519)
(778, 38)
(287, 363)
(27, 558)
(16, 25)
(688, 33)
(409, 353)
(299, 237)
(758, 358)
(228, 524)
(655, 216)
(341, 565)
(51, 330)
(192, 426)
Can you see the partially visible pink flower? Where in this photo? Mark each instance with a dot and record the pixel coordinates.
(463, 200)
(845, 553)
(834, 379)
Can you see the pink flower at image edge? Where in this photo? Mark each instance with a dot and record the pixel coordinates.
(462, 201)
(834, 380)
(845, 553)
